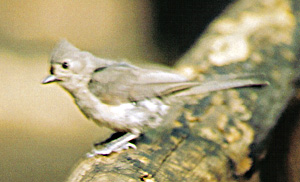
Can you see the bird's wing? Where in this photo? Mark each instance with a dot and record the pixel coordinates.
(125, 83)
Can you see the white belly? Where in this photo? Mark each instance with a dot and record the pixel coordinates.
(133, 117)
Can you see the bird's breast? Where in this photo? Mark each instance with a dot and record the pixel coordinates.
(123, 117)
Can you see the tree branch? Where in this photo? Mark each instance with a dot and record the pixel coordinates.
(213, 135)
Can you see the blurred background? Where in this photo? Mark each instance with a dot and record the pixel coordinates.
(42, 132)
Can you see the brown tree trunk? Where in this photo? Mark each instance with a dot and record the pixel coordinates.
(214, 135)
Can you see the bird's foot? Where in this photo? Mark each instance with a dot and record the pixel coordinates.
(116, 145)
(108, 149)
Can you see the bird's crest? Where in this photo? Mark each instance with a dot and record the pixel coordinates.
(62, 48)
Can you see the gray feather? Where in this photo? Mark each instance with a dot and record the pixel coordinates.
(61, 49)
(108, 84)
(226, 82)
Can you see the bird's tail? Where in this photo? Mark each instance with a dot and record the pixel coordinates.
(226, 82)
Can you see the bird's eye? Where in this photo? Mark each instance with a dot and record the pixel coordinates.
(65, 65)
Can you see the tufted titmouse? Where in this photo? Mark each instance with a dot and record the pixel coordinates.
(124, 97)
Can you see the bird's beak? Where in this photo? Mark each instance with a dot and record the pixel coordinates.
(50, 79)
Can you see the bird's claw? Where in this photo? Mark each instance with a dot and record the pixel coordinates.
(125, 147)
(108, 149)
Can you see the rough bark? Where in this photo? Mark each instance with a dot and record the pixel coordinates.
(213, 135)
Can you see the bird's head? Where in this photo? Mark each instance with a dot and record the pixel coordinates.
(71, 67)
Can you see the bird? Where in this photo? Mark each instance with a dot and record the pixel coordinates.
(124, 97)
